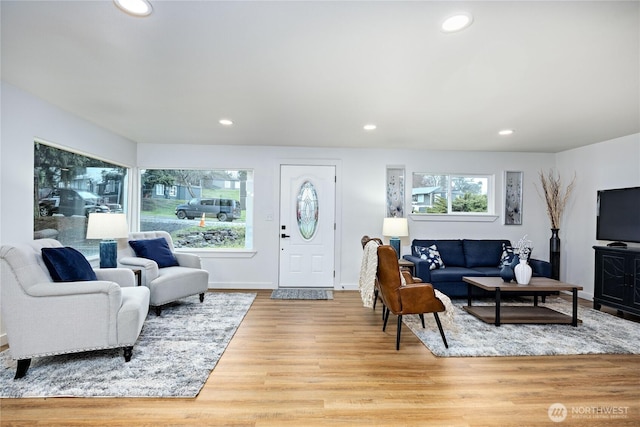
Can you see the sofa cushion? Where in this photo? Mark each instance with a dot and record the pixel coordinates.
(432, 256)
(156, 250)
(67, 265)
(487, 271)
(453, 274)
(482, 253)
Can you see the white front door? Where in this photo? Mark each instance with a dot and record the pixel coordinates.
(307, 226)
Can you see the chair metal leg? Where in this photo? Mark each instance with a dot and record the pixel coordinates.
(398, 333)
(422, 319)
(444, 340)
(385, 317)
(375, 298)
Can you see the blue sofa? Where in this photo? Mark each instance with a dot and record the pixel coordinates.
(464, 257)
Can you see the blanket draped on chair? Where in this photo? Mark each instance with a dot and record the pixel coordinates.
(368, 272)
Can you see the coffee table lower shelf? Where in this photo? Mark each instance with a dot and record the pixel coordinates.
(519, 314)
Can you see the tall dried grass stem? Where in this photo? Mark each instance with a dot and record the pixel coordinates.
(554, 196)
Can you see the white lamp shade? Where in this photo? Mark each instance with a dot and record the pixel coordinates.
(395, 227)
(107, 226)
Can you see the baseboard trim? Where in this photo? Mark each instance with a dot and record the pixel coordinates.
(242, 285)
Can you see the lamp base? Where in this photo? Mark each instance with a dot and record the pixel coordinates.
(108, 254)
(395, 242)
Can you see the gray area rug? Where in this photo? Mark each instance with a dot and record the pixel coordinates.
(599, 333)
(301, 293)
(173, 357)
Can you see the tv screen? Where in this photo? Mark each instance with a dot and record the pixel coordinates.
(619, 215)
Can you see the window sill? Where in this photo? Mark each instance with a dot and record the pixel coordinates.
(454, 218)
(219, 253)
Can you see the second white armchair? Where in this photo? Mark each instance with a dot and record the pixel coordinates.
(169, 275)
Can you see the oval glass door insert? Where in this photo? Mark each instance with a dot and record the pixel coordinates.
(307, 210)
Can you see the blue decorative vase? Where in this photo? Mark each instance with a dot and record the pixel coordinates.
(507, 274)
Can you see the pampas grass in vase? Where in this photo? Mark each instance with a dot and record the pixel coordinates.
(556, 199)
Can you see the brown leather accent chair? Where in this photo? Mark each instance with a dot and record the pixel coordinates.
(413, 298)
(405, 272)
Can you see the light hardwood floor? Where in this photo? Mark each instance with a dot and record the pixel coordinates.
(328, 363)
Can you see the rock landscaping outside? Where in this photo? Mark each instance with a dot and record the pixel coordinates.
(210, 238)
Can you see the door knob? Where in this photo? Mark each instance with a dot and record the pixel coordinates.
(284, 235)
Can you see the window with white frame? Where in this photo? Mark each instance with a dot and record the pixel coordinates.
(201, 209)
(445, 194)
(68, 186)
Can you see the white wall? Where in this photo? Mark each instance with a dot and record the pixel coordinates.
(609, 164)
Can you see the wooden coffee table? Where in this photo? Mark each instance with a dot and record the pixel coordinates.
(520, 314)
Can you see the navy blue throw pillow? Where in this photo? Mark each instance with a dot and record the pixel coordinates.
(67, 265)
(156, 250)
(507, 255)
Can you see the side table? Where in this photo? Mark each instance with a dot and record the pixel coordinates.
(403, 263)
(138, 273)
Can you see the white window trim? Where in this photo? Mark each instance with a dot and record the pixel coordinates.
(454, 217)
(220, 253)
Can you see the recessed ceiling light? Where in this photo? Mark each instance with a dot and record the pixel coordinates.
(225, 122)
(370, 126)
(505, 132)
(134, 7)
(457, 22)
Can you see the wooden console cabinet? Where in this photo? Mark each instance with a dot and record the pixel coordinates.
(617, 278)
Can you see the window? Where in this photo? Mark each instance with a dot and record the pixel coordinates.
(201, 209)
(67, 187)
(159, 189)
(451, 194)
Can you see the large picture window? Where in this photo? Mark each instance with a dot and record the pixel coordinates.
(451, 194)
(68, 186)
(201, 209)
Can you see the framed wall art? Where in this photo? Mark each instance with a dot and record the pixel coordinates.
(395, 192)
(513, 198)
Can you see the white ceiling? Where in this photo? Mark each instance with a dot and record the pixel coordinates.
(562, 74)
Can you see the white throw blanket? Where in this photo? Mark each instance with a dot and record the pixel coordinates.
(368, 271)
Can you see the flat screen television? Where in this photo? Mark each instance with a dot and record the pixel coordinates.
(618, 217)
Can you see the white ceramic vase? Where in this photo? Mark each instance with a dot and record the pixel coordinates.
(523, 272)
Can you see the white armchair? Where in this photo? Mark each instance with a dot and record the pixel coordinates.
(167, 284)
(44, 318)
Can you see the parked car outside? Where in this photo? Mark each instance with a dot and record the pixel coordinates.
(223, 209)
(69, 202)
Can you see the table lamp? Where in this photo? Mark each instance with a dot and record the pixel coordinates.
(107, 226)
(395, 228)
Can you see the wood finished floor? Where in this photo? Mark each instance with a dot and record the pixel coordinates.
(328, 363)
